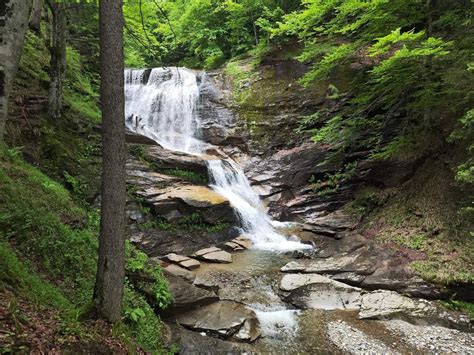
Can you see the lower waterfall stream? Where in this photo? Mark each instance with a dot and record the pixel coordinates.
(163, 104)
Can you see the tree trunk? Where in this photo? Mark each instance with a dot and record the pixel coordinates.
(35, 17)
(15, 14)
(57, 70)
(110, 270)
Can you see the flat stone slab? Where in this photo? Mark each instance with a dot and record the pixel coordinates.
(223, 318)
(333, 265)
(383, 304)
(217, 257)
(192, 195)
(291, 282)
(190, 264)
(183, 261)
(243, 242)
(206, 251)
(233, 246)
(337, 220)
(313, 291)
(175, 258)
(213, 255)
(176, 270)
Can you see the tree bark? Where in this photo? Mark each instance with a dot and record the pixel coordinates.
(110, 270)
(35, 17)
(14, 15)
(57, 71)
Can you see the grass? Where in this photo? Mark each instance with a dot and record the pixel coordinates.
(466, 307)
(15, 275)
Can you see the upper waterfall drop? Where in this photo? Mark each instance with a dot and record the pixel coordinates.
(162, 104)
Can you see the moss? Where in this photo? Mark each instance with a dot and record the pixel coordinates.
(191, 223)
(240, 73)
(191, 176)
(34, 62)
(79, 92)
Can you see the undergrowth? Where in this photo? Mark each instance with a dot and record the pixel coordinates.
(48, 249)
(421, 218)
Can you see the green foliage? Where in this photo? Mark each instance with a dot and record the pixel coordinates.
(141, 323)
(79, 92)
(34, 61)
(366, 200)
(39, 215)
(197, 32)
(186, 174)
(78, 187)
(48, 230)
(454, 305)
(17, 276)
(405, 57)
(138, 261)
(465, 133)
(193, 222)
(137, 150)
(332, 182)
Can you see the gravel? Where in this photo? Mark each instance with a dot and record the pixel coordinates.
(354, 341)
(433, 339)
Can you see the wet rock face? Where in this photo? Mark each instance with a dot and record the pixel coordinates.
(155, 242)
(218, 120)
(289, 168)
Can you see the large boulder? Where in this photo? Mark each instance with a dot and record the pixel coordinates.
(225, 319)
(167, 159)
(313, 291)
(176, 202)
(190, 342)
(384, 304)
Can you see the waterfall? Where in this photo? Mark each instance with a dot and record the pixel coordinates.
(229, 181)
(161, 103)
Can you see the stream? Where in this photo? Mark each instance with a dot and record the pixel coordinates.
(162, 104)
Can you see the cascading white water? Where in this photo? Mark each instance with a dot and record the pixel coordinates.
(164, 108)
(230, 182)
